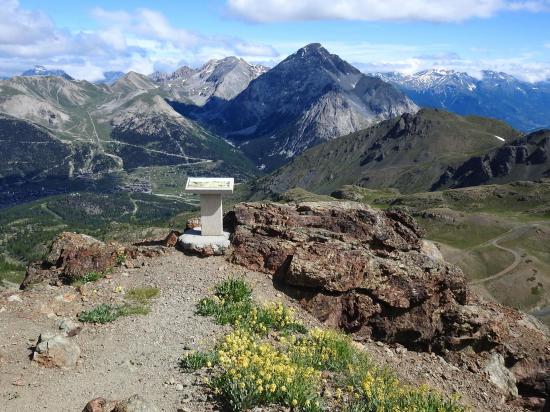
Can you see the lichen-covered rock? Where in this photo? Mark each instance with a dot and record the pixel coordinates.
(501, 376)
(56, 351)
(369, 272)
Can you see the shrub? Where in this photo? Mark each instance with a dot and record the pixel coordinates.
(256, 374)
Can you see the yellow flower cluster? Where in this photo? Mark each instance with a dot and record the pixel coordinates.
(258, 373)
(386, 394)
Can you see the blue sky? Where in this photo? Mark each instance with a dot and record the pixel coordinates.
(86, 38)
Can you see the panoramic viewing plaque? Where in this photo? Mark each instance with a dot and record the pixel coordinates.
(211, 190)
(208, 185)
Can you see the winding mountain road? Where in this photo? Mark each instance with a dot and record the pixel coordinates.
(494, 242)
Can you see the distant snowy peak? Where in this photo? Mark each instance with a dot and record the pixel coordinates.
(438, 79)
(433, 79)
(499, 95)
(42, 71)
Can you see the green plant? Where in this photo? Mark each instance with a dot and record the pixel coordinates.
(194, 360)
(120, 259)
(100, 314)
(105, 313)
(142, 294)
(91, 277)
(234, 290)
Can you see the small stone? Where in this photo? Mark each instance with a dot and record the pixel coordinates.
(378, 343)
(70, 327)
(15, 298)
(2, 309)
(179, 387)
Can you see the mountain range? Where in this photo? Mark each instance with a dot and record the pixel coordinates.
(68, 131)
(525, 106)
(146, 133)
(310, 97)
(221, 79)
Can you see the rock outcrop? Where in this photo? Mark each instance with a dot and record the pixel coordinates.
(366, 271)
(73, 256)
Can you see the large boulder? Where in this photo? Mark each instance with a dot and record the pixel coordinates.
(370, 273)
(71, 257)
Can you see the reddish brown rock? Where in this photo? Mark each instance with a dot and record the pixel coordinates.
(366, 271)
(133, 404)
(172, 239)
(71, 257)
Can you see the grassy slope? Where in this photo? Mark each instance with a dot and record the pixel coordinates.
(415, 149)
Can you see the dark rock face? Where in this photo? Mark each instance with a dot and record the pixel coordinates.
(523, 159)
(365, 271)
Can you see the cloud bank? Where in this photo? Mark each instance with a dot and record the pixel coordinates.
(142, 40)
(372, 10)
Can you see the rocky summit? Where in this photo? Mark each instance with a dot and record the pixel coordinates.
(368, 272)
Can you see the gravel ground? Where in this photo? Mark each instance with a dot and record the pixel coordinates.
(139, 355)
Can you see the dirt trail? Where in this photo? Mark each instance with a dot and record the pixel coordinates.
(518, 230)
(511, 267)
(139, 355)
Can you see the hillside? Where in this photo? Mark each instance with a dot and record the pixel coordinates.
(522, 159)
(310, 97)
(409, 152)
(122, 136)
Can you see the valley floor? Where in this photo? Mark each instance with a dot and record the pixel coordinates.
(140, 355)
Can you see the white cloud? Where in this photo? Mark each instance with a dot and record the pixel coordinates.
(370, 10)
(140, 40)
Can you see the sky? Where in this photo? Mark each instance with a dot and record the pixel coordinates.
(86, 38)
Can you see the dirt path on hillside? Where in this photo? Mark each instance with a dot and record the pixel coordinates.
(139, 355)
(503, 272)
(518, 230)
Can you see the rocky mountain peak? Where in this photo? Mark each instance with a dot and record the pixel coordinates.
(315, 57)
(39, 70)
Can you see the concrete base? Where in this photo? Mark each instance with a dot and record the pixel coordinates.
(193, 241)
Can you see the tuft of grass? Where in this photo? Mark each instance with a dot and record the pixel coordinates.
(234, 290)
(191, 361)
(105, 313)
(120, 259)
(100, 314)
(232, 305)
(142, 294)
(92, 277)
